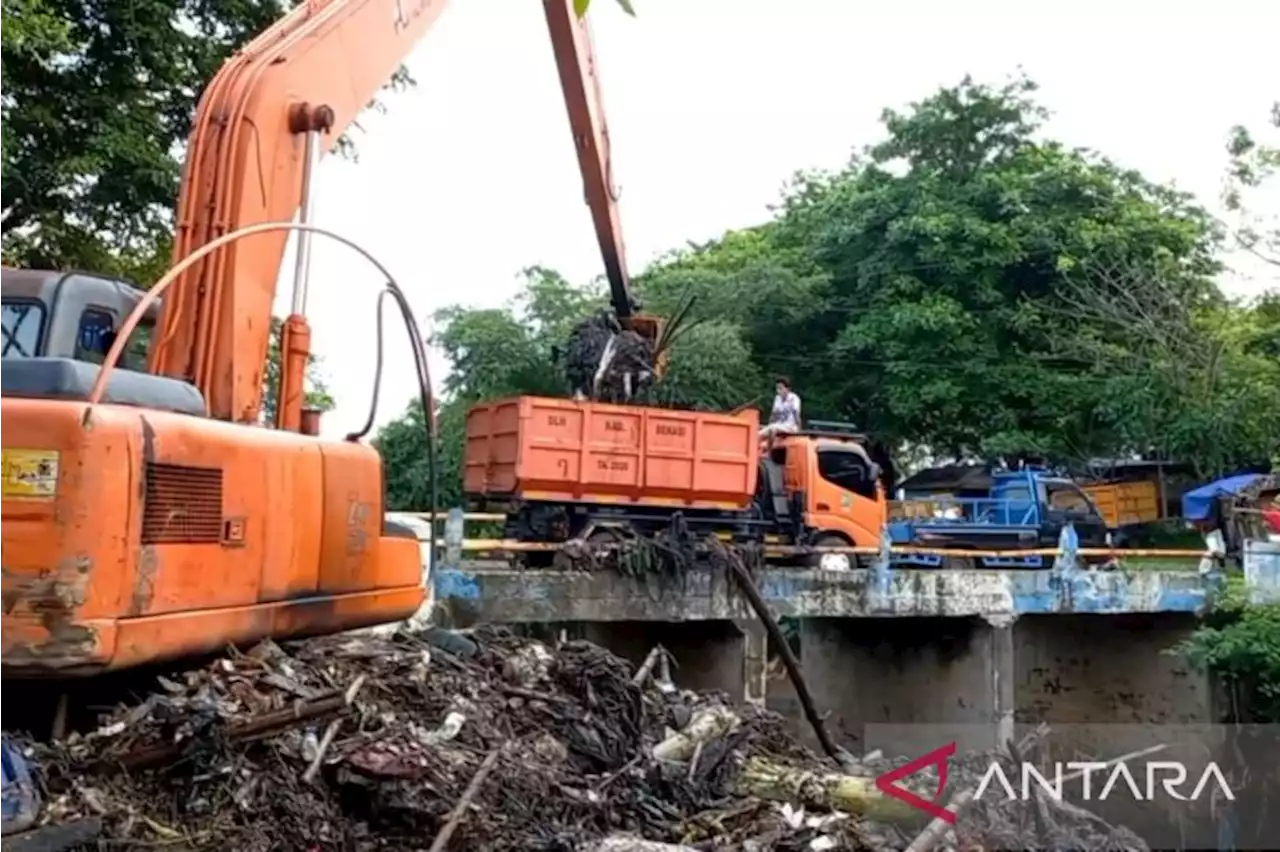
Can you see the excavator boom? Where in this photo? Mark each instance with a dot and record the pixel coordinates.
(576, 63)
(295, 88)
(580, 81)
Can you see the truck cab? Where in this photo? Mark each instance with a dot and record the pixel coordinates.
(70, 315)
(823, 489)
(1006, 510)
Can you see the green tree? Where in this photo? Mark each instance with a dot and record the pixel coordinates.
(1240, 643)
(965, 286)
(403, 446)
(759, 301)
(947, 245)
(1185, 377)
(1254, 161)
(98, 100)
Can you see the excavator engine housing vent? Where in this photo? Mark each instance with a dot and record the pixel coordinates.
(182, 505)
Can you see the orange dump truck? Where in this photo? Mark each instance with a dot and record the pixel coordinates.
(561, 469)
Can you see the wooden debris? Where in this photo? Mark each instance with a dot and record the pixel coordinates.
(331, 731)
(468, 796)
(647, 667)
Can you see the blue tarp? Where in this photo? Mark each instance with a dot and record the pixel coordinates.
(21, 799)
(1197, 504)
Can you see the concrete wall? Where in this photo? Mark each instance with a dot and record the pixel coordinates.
(1108, 686)
(1115, 669)
(1097, 679)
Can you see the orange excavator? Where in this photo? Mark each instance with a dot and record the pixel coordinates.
(147, 515)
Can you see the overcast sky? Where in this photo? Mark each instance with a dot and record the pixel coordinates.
(712, 104)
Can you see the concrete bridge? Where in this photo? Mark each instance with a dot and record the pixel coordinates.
(885, 649)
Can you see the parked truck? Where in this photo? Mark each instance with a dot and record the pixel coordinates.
(969, 508)
(562, 470)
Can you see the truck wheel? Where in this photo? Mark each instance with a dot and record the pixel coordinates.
(831, 561)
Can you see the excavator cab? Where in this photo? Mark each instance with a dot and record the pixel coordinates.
(70, 315)
(58, 326)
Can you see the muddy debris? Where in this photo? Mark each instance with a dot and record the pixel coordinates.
(362, 742)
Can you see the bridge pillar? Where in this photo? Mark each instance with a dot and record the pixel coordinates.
(755, 660)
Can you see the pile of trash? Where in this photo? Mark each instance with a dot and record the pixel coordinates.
(368, 742)
(607, 363)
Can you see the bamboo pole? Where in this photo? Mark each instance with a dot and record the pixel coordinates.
(827, 790)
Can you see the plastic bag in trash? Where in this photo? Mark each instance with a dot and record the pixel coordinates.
(20, 797)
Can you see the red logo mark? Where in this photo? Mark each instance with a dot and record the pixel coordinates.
(939, 757)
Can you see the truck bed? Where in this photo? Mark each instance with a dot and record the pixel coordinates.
(558, 450)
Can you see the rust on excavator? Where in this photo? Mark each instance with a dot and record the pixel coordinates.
(41, 629)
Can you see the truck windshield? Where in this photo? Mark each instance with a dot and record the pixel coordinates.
(23, 327)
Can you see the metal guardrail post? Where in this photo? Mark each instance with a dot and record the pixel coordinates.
(1067, 561)
(882, 575)
(454, 527)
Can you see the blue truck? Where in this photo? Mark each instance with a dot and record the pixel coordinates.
(972, 508)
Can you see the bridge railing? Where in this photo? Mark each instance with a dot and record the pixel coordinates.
(496, 547)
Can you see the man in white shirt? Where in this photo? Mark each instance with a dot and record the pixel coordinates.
(785, 415)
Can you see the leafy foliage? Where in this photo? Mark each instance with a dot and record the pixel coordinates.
(947, 245)
(97, 105)
(1240, 643)
(1255, 159)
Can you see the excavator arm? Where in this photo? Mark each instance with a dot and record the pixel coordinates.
(580, 82)
(576, 64)
(260, 129)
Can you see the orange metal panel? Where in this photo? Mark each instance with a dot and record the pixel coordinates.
(581, 451)
(254, 522)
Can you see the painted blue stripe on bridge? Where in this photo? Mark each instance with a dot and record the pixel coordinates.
(452, 583)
